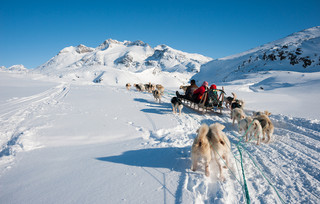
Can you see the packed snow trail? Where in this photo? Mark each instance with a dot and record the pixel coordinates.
(100, 135)
(290, 163)
(19, 116)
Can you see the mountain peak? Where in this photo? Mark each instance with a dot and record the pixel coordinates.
(136, 43)
(83, 49)
(107, 43)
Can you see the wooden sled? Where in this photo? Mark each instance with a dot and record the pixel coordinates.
(211, 101)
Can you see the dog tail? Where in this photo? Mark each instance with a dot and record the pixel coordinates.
(234, 96)
(202, 134)
(216, 131)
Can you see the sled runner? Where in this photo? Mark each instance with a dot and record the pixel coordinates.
(211, 100)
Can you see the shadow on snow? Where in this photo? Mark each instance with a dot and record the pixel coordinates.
(155, 107)
(174, 158)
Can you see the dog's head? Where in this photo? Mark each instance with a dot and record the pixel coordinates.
(267, 113)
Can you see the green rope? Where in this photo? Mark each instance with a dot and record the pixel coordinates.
(243, 187)
(244, 178)
(224, 162)
(274, 188)
(241, 162)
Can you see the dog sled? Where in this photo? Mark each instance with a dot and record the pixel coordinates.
(211, 101)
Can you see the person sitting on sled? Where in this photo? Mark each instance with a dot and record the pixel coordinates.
(198, 94)
(189, 92)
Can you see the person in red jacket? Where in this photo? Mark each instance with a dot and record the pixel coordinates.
(197, 94)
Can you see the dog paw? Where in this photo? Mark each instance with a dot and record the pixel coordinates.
(207, 173)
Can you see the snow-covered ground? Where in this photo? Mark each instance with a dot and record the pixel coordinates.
(73, 142)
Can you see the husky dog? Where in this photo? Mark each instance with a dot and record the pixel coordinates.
(220, 145)
(228, 100)
(176, 105)
(160, 88)
(267, 127)
(237, 103)
(149, 87)
(251, 127)
(211, 139)
(139, 87)
(128, 86)
(184, 88)
(157, 95)
(237, 114)
(201, 149)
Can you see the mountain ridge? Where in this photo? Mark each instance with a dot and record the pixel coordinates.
(134, 56)
(297, 52)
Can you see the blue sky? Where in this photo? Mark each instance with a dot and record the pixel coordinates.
(32, 32)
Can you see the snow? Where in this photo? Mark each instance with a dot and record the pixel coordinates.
(72, 133)
(75, 142)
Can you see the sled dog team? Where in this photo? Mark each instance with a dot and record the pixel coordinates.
(157, 90)
(211, 142)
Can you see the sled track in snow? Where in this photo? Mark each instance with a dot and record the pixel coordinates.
(16, 117)
(290, 162)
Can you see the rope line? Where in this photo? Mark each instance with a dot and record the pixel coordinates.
(244, 178)
(251, 158)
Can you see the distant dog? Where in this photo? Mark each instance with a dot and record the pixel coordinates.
(237, 114)
(160, 88)
(211, 139)
(251, 127)
(184, 88)
(128, 86)
(237, 103)
(228, 100)
(149, 87)
(157, 95)
(267, 127)
(176, 105)
(267, 113)
(139, 87)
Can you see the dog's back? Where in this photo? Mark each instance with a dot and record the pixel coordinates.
(266, 124)
(176, 104)
(157, 95)
(237, 114)
(176, 101)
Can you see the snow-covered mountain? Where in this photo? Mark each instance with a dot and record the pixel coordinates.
(134, 57)
(14, 68)
(299, 52)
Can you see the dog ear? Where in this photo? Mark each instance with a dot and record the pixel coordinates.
(203, 130)
(267, 113)
(218, 126)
